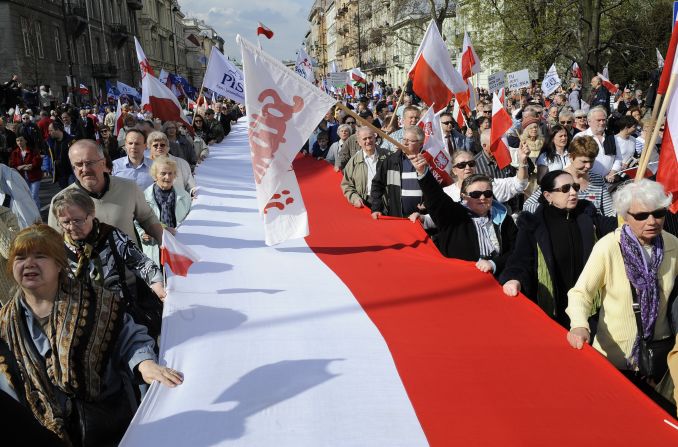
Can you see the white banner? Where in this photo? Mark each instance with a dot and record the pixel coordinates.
(496, 81)
(303, 67)
(338, 79)
(224, 78)
(551, 81)
(518, 79)
(283, 111)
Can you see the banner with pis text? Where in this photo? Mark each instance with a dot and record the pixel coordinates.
(224, 78)
(283, 111)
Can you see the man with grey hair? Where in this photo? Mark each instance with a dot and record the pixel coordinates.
(566, 119)
(600, 96)
(118, 201)
(607, 147)
(361, 168)
(395, 190)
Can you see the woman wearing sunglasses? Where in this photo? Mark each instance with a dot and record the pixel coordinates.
(636, 263)
(477, 229)
(553, 245)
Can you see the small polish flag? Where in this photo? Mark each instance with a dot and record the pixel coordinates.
(176, 255)
(501, 123)
(17, 114)
(458, 115)
(263, 29)
(576, 71)
(608, 85)
(118, 119)
(83, 90)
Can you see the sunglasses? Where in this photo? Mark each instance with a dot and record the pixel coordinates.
(463, 164)
(446, 123)
(657, 214)
(566, 188)
(566, 122)
(349, 122)
(476, 194)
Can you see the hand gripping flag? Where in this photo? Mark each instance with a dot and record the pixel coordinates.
(283, 110)
(470, 62)
(434, 147)
(501, 123)
(176, 255)
(434, 79)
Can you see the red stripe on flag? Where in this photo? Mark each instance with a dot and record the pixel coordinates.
(428, 86)
(668, 62)
(177, 263)
(479, 368)
(467, 63)
(667, 171)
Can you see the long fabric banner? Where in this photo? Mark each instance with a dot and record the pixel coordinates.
(363, 335)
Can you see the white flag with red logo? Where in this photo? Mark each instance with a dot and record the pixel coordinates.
(434, 79)
(160, 100)
(283, 110)
(176, 255)
(144, 65)
(470, 62)
(667, 172)
(608, 84)
(435, 151)
(501, 123)
(118, 119)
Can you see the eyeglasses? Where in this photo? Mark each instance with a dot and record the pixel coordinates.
(657, 214)
(566, 122)
(580, 118)
(349, 122)
(86, 164)
(476, 194)
(158, 145)
(408, 141)
(65, 224)
(446, 123)
(566, 188)
(463, 164)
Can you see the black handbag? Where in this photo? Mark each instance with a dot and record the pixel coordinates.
(652, 354)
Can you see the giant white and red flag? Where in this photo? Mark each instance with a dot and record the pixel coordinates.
(470, 62)
(283, 110)
(434, 79)
(158, 98)
(667, 171)
(435, 152)
(501, 123)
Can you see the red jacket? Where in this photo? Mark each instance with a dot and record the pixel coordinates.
(33, 158)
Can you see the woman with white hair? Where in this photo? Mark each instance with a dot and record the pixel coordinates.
(158, 145)
(631, 273)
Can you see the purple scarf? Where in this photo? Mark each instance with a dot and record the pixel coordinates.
(643, 277)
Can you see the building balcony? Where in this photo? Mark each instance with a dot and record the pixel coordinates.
(118, 34)
(135, 4)
(104, 71)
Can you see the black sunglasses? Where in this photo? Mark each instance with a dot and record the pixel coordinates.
(463, 164)
(476, 194)
(657, 214)
(566, 122)
(566, 188)
(446, 123)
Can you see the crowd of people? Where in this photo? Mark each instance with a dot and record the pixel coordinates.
(82, 294)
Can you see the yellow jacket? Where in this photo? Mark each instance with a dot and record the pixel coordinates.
(605, 273)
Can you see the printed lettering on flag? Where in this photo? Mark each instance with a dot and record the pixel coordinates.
(435, 151)
(283, 111)
(224, 78)
(551, 81)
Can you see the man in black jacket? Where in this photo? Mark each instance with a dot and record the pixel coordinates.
(224, 117)
(600, 96)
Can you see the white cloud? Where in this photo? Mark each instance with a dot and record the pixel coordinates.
(287, 19)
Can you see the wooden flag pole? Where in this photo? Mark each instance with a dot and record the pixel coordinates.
(657, 102)
(364, 122)
(645, 155)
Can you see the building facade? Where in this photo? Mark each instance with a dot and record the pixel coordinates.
(199, 39)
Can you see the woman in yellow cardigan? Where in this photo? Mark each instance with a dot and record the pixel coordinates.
(641, 256)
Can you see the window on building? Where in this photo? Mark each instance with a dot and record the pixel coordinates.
(57, 43)
(98, 55)
(38, 40)
(26, 33)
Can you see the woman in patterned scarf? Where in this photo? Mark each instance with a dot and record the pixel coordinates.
(638, 262)
(68, 351)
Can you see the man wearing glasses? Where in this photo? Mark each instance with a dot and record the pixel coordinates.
(117, 201)
(455, 140)
(580, 123)
(566, 119)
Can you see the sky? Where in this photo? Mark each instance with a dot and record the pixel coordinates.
(288, 19)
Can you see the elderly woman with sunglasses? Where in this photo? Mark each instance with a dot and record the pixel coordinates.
(478, 229)
(158, 145)
(553, 245)
(635, 264)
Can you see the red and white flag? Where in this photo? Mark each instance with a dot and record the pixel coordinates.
(670, 57)
(576, 71)
(264, 30)
(501, 123)
(435, 151)
(17, 114)
(458, 115)
(434, 79)
(470, 62)
(144, 65)
(608, 84)
(606, 73)
(502, 96)
(118, 119)
(283, 111)
(667, 172)
(83, 90)
(156, 97)
(176, 255)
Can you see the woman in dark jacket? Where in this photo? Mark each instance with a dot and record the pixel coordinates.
(28, 162)
(477, 229)
(553, 245)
